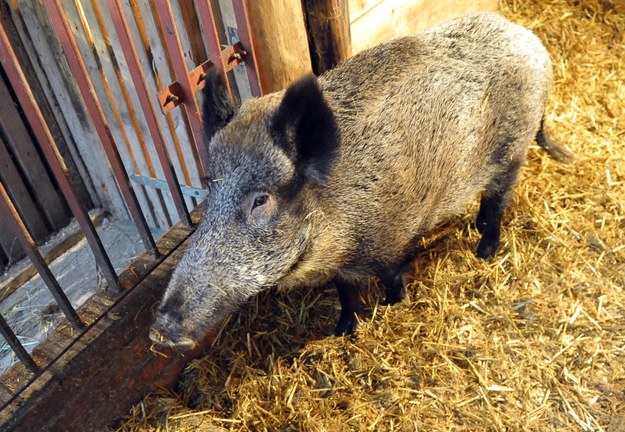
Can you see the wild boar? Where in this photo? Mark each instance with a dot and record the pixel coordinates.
(336, 178)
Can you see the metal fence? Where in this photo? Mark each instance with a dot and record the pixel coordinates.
(224, 53)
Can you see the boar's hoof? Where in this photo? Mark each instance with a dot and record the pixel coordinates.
(181, 344)
(394, 286)
(346, 325)
(487, 247)
(394, 295)
(390, 300)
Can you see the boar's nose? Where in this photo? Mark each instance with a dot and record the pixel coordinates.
(163, 337)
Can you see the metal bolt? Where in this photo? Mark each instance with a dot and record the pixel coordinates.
(171, 98)
(235, 56)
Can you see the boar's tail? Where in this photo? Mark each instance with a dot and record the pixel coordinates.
(557, 152)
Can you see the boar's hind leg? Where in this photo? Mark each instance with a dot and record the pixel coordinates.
(494, 201)
(350, 307)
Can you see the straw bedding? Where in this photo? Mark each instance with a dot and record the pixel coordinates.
(532, 341)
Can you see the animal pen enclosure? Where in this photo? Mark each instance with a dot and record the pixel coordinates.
(97, 82)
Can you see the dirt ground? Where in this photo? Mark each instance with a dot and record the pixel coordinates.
(532, 341)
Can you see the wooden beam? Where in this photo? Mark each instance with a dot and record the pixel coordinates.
(280, 42)
(22, 271)
(329, 37)
(23, 201)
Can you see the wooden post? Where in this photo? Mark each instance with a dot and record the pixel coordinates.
(329, 36)
(280, 43)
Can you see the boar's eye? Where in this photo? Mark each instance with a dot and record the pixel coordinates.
(259, 201)
(261, 206)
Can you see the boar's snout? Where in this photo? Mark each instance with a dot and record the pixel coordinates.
(168, 334)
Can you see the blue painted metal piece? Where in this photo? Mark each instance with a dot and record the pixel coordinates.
(162, 184)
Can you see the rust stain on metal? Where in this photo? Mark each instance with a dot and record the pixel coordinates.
(170, 97)
(213, 47)
(124, 89)
(145, 40)
(84, 83)
(240, 12)
(107, 87)
(191, 109)
(130, 53)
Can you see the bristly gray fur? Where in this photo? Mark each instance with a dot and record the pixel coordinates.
(336, 179)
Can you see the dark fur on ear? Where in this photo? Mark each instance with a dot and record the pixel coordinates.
(304, 126)
(217, 109)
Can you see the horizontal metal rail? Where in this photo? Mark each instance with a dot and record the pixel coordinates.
(173, 95)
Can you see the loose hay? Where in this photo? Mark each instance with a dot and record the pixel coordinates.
(533, 341)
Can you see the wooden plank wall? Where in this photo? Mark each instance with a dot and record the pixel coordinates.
(23, 169)
(50, 69)
(376, 21)
(27, 179)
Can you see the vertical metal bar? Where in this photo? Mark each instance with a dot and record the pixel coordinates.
(213, 47)
(17, 346)
(145, 40)
(243, 25)
(141, 87)
(107, 87)
(83, 80)
(158, 212)
(181, 75)
(53, 156)
(28, 244)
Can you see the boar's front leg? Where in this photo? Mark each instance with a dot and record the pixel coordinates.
(395, 291)
(394, 284)
(349, 296)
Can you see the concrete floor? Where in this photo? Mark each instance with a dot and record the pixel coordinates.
(32, 312)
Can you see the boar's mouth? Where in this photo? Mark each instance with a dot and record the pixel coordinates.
(162, 336)
(301, 257)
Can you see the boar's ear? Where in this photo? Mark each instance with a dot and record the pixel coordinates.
(304, 127)
(217, 109)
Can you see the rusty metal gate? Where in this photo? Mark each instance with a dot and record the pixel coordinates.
(129, 91)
